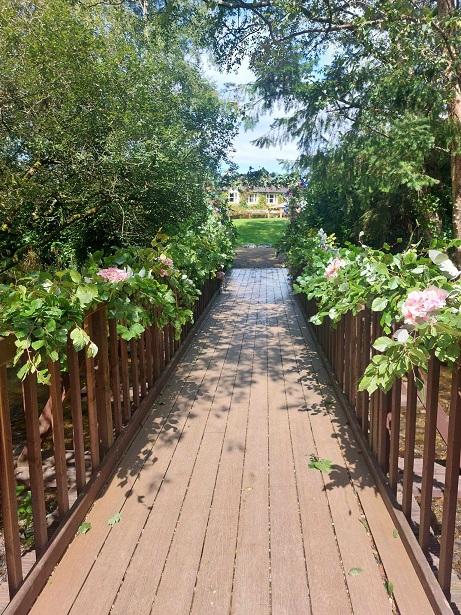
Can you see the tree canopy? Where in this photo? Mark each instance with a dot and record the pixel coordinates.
(108, 129)
(372, 92)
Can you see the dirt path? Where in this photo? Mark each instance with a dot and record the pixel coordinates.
(257, 258)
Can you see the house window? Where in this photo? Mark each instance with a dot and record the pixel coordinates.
(233, 197)
(252, 199)
(271, 199)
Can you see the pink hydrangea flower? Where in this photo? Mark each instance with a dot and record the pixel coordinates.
(164, 272)
(113, 274)
(332, 269)
(420, 303)
(168, 262)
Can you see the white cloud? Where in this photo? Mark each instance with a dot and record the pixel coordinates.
(246, 154)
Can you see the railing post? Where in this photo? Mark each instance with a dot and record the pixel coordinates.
(125, 380)
(134, 372)
(394, 445)
(430, 428)
(34, 457)
(409, 457)
(62, 484)
(450, 496)
(77, 419)
(8, 491)
(91, 399)
(102, 381)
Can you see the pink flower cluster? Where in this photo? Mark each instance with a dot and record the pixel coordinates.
(113, 274)
(332, 269)
(420, 303)
(169, 263)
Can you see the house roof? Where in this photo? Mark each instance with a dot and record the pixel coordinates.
(266, 189)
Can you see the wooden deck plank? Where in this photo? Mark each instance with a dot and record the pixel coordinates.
(399, 570)
(84, 550)
(251, 587)
(366, 589)
(289, 584)
(320, 545)
(213, 588)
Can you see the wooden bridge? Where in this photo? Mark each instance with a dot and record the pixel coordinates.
(214, 510)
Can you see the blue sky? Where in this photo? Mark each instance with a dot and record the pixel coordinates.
(246, 154)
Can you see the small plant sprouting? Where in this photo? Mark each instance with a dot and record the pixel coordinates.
(25, 516)
(316, 463)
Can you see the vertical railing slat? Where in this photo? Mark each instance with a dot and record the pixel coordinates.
(384, 410)
(77, 419)
(62, 483)
(8, 491)
(430, 428)
(91, 399)
(102, 380)
(34, 457)
(365, 359)
(396, 405)
(142, 364)
(409, 457)
(134, 372)
(125, 380)
(450, 495)
(115, 374)
(346, 371)
(149, 358)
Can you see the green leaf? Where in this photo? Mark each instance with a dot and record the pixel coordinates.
(379, 304)
(86, 293)
(383, 343)
(115, 519)
(75, 276)
(79, 338)
(388, 586)
(84, 528)
(353, 572)
(324, 465)
(365, 524)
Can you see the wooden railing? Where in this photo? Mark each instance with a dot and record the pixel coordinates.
(401, 428)
(109, 396)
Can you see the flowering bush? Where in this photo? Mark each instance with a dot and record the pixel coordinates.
(419, 304)
(113, 274)
(334, 266)
(44, 308)
(417, 294)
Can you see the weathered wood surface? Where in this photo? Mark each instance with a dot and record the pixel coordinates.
(220, 513)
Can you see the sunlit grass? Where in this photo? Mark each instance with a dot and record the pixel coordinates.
(260, 230)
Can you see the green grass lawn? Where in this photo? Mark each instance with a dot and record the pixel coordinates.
(260, 230)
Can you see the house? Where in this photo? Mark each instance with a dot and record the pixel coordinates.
(266, 201)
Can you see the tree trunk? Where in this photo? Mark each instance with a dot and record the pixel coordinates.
(455, 113)
(446, 8)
